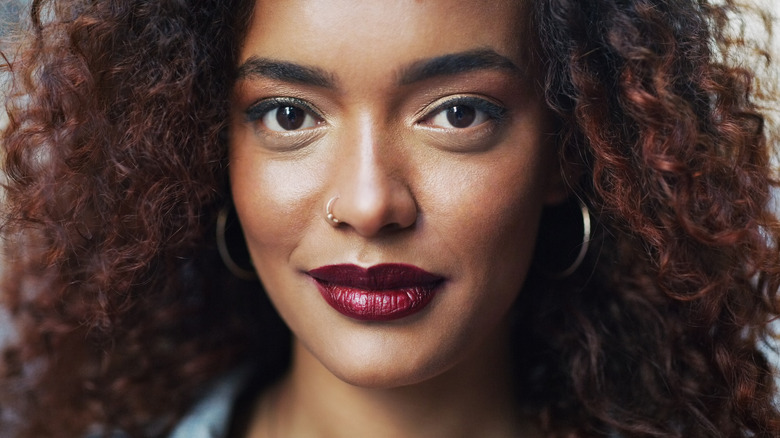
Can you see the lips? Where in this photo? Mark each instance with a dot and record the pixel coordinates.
(380, 293)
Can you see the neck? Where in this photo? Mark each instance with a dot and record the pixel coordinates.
(474, 398)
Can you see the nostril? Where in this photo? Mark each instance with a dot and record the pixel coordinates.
(395, 226)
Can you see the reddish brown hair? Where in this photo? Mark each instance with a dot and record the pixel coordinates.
(115, 158)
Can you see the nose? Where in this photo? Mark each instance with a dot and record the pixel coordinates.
(371, 187)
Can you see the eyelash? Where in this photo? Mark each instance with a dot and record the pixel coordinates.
(493, 111)
(259, 110)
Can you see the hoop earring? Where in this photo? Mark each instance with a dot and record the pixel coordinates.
(333, 220)
(583, 246)
(222, 247)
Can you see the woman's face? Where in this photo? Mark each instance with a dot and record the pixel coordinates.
(423, 119)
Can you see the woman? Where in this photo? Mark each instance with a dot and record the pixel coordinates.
(415, 183)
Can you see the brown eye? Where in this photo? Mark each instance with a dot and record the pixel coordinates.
(464, 112)
(290, 118)
(461, 116)
(283, 115)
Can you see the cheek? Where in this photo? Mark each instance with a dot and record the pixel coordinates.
(487, 220)
(491, 212)
(502, 247)
(273, 199)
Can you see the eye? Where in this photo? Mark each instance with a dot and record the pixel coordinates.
(284, 115)
(464, 112)
(288, 118)
(459, 116)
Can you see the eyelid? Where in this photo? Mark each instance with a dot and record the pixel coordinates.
(258, 109)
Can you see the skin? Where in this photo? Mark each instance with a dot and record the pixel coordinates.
(463, 203)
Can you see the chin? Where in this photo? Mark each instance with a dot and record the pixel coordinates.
(383, 379)
(386, 371)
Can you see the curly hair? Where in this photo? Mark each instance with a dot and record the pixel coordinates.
(663, 339)
(115, 166)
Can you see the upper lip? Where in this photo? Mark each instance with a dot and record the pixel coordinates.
(384, 276)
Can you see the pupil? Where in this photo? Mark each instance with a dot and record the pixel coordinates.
(461, 116)
(290, 117)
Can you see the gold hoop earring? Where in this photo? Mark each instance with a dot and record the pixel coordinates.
(586, 236)
(223, 248)
(582, 246)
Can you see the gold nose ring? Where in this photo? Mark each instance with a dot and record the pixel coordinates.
(329, 214)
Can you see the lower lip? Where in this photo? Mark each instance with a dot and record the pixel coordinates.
(372, 305)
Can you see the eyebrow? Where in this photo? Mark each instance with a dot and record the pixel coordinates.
(456, 63)
(445, 65)
(285, 71)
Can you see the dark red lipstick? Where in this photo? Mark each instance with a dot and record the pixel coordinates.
(380, 293)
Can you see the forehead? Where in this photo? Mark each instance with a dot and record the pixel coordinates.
(340, 33)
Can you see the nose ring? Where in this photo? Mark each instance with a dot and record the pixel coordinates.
(329, 214)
